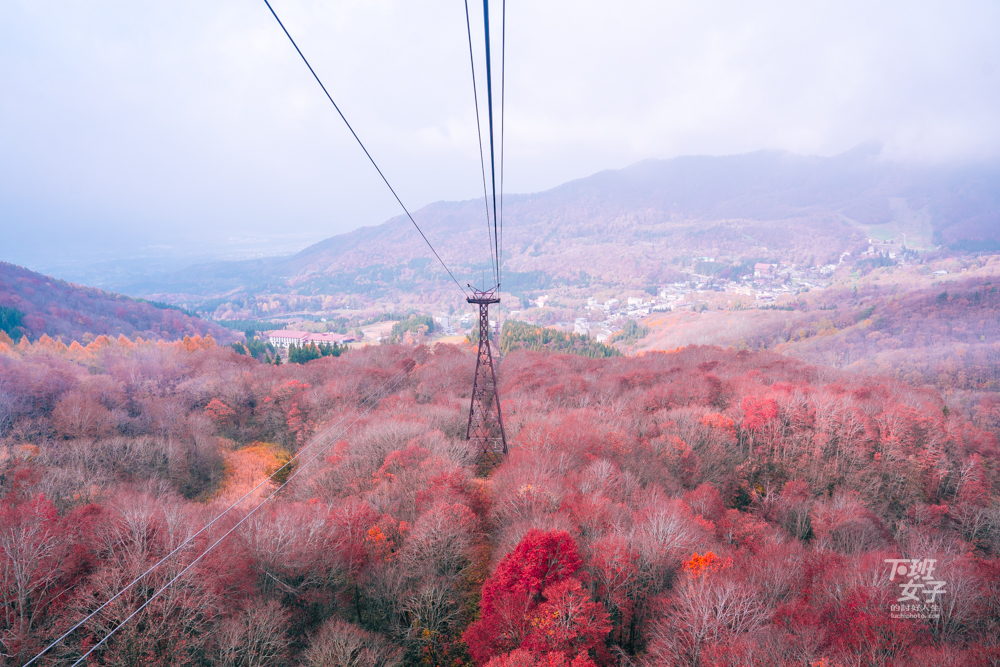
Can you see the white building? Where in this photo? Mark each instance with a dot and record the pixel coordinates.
(286, 337)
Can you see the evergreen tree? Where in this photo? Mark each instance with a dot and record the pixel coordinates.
(10, 319)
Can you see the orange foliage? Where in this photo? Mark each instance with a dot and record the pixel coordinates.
(88, 354)
(699, 567)
(716, 420)
(246, 468)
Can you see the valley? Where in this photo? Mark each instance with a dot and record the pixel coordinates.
(725, 415)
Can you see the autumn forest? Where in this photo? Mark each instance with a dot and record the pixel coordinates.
(310, 356)
(697, 507)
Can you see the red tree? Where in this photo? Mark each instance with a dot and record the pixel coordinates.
(533, 599)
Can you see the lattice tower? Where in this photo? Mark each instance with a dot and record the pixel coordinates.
(485, 432)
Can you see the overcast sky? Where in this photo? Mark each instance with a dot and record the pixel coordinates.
(159, 121)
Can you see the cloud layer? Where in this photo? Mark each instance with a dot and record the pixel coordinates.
(189, 119)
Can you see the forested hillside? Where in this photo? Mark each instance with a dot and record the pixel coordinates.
(619, 228)
(521, 336)
(698, 507)
(35, 305)
(943, 336)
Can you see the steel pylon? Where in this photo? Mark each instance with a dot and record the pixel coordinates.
(485, 432)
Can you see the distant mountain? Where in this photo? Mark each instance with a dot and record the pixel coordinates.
(33, 305)
(626, 226)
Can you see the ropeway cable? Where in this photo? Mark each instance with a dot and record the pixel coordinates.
(370, 158)
(378, 395)
(479, 135)
(231, 530)
(489, 98)
(503, 115)
(395, 380)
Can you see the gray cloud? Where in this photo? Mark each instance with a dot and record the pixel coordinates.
(196, 120)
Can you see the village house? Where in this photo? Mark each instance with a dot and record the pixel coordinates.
(761, 270)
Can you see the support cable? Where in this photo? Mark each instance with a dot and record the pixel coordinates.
(230, 531)
(503, 135)
(377, 395)
(370, 158)
(489, 97)
(479, 135)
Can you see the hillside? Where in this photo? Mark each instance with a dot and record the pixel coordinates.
(38, 305)
(623, 227)
(643, 498)
(902, 322)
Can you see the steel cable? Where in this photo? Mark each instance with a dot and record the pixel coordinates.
(370, 158)
(378, 395)
(489, 99)
(479, 135)
(231, 530)
(503, 115)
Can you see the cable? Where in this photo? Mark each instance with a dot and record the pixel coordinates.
(479, 135)
(489, 97)
(230, 531)
(224, 536)
(298, 454)
(400, 377)
(503, 135)
(495, 256)
(370, 158)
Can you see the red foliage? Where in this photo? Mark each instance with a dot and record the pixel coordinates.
(541, 558)
(523, 658)
(533, 600)
(68, 312)
(790, 484)
(616, 565)
(220, 413)
(758, 412)
(862, 630)
(568, 621)
(705, 501)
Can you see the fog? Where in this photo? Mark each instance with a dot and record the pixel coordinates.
(186, 130)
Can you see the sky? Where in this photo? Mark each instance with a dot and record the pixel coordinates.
(192, 127)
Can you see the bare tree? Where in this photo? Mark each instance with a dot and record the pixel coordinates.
(341, 644)
(254, 637)
(29, 547)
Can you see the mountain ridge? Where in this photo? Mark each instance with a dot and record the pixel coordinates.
(768, 201)
(67, 311)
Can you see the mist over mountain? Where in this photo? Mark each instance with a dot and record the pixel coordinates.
(623, 226)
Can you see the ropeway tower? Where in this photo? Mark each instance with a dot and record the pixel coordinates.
(485, 432)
